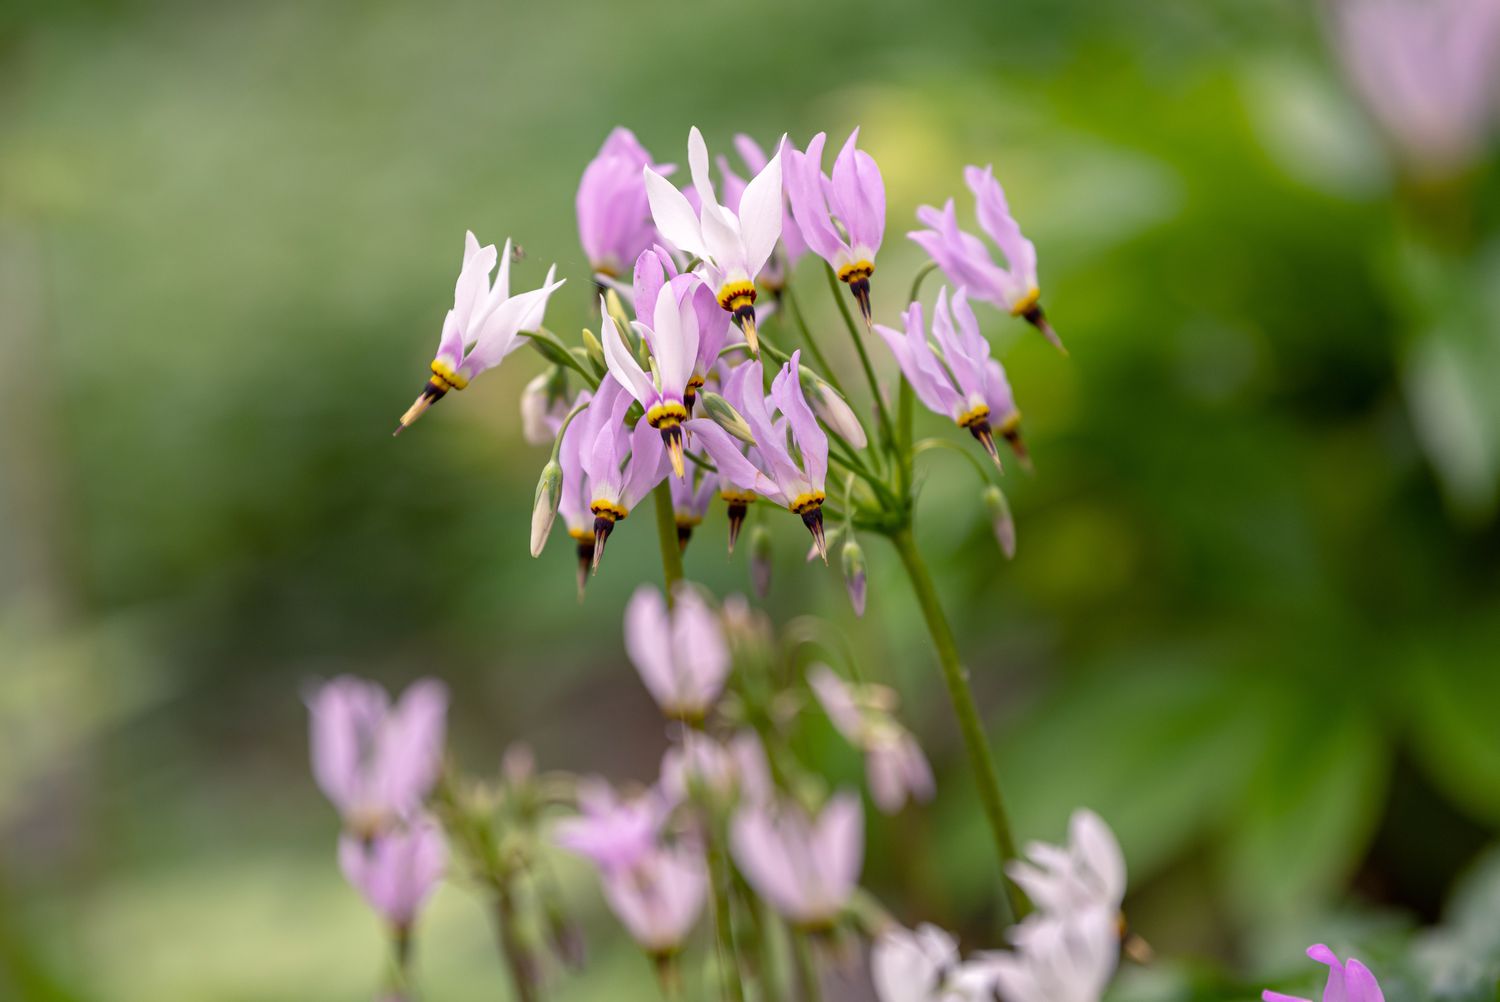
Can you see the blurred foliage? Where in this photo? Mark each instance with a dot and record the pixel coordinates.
(1253, 619)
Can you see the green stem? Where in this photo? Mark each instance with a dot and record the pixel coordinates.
(719, 887)
(666, 534)
(957, 680)
(795, 309)
(517, 958)
(808, 987)
(864, 358)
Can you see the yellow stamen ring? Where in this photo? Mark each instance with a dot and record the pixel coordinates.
(738, 497)
(974, 416)
(688, 521)
(1010, 424)
(856, 270)
(1026, 303)
(667, 414)
(606, 509)
(446, 378)
(804, 503)
(582, 535)
(736, 295)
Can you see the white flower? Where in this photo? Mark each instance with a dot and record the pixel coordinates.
(1057, 959)
(1088, 872)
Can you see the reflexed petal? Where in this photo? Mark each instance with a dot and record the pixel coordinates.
(621, 362)
(760, 215)
(673, 215)
(648, 642)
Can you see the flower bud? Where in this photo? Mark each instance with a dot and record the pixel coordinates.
(543, 404)
(544, 509)
(760, 560)
(854, 574)
(723, 414)
(833, 410)
(616, 309)
(595, 352)
(1000, 520)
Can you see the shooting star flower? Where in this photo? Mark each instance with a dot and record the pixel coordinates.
(895, 767)
(841, 217)
(397, 870)
(691, 497)
(672, 339)
(1347, 982)
(805, 867)
(680, 653)
(621, 466)
(614, 217)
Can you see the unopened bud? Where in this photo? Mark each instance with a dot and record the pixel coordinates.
(616, 309)
(1001, 521)
(833, 410)
(723, 414)
(760, 560)
(595, 352)
(538, 400)
(544, 509)
(854, 574)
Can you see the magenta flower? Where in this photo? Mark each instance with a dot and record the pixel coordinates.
(660, 897)
(574, 499)
(397, 870)
(1428, 71)
(806, 868)
(375, 762)
(842, 217)
(1347, 982)
(680, 653)
(733, 246)
(619, 466)
(966, 261)
(959, 380)
(612, 832)
(672, 338)
(770, 470)
(614, 216)
(484, 325)
(654, 269)
(691, 497)
(895, 767)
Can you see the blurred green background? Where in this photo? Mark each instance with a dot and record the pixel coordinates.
(1254, 619)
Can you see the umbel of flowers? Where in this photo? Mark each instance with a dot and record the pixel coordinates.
(706, 385)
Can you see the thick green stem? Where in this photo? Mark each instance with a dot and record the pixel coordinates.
(957, 681)
(864, 359)
(666, 534)
(808, 987)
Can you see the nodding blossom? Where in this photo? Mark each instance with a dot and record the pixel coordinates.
(614, 216)
(544, 407)
(923, 966)
(672, 337)
(484, 325)
(895, 767)
(1347, 981)
(773, 276)
(732, 246)
(1087, 872)
(805, 867)
(396, 870)
(659, 898)
(653, 270)
(966, 261)
(680, 652)
(770, 469)
(730, 772)
(1429, 73)
(691, 497)
(619, 466)
(959, 379)
(574, 497)
(1057, 958)
(376, 762)
(612, 832)
(841, 217)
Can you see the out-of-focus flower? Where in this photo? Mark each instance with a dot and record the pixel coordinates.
(1428, 71)
(1001, 521)
(762, 560)
(620, 466)
(1347, 981)
(375, 762)
(732, 246)
(653, 270)
(854, 574)
(680, 653)
(806, 868)
(673, 340)
(1086, 873)
(895, 767)
(909, 966)
(612, 832)
(1057, 959)
(833, 410)
(774, 275)
(960, 379)
(659, 898)
(614, 217)
(573, 504)
(396, 870)
(484, 325)
(691, 497)
(769, 469)
(966, 261)
(544, 407)
(736, 771)
(841, 217)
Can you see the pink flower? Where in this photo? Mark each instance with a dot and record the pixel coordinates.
(1428, 71)
(680, 653)
(653, 270)
(618, 466)
(659, 898)
(375, 762)
(774, 275)
(612, 832)
(691, 497)
(614, 217)
(484, 325)
(966, 261)
(959, 380)
(841, 217)
(1347, 982)
(806, 868)
(396, 871)
(895, 767)
(672, 337)
(733, 771)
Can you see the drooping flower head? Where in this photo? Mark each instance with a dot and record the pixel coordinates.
(612, 832)
(733, 771)
(924, 966)
(574, 496)
(376, 762)
(614, 217)
(397, 870)
(1347, 981)
(774, 275)
(732, 246)
(770, 469)
(959, 379)
(484, 325)
(1057, 958)
(672, 339)
(544, 407)
(691, 497)
(806, 867)
(1088, 872)
(659, 899)
(620, 466)
(895, 767)
(680, 652)
(654, 269)
(842, 217)
(1429, 73)
(966, 261)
